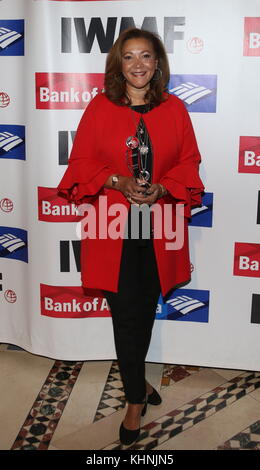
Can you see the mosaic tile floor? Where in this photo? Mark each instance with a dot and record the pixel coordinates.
(249, 438)
(67, 405)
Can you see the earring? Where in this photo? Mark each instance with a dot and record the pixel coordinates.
(157, 76)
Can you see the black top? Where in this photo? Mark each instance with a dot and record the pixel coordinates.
(142, 109)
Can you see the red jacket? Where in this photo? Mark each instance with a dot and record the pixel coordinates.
(99, 150)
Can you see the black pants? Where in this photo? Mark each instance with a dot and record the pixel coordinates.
(133, 311)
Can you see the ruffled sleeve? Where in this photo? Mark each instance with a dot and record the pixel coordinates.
(86, 173)
(183, 181)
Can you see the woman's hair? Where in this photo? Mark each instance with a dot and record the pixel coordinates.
(115, 83)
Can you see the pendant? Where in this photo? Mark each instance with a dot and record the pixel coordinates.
(132, 142)
(144, 174)
(143, 150)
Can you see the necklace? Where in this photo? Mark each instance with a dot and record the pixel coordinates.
(143, 150)
(140, 144)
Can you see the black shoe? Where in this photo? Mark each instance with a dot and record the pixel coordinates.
(129, 436)
(154, 398)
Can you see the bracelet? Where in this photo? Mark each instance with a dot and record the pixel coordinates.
(114, 180)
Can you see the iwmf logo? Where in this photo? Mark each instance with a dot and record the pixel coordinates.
(74, 33)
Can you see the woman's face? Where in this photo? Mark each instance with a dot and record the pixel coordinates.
(138, 63)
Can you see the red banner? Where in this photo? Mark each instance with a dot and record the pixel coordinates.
(67, 90)
(247, 259)
(72, 302)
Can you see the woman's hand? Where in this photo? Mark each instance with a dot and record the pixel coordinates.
(150, 196)
(138, 191)
(130, 188)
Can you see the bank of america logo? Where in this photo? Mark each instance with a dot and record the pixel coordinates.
(10, 243)
(199, 210)
(11, 37)
(12, 141)
(8, 141)
(185, 304)
(202, 216)
(7, 37)
(198, 92)
(190, 92)
(13, 243)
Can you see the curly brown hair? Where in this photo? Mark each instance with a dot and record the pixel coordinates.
(115, 85)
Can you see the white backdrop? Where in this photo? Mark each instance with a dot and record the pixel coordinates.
(212, 45)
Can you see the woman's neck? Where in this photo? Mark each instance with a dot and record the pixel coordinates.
(136, 96)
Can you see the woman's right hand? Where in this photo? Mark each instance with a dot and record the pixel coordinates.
(129, 187)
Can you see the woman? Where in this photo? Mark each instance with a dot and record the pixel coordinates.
(134, 146)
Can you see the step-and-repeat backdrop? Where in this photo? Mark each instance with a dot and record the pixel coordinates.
(52, 60)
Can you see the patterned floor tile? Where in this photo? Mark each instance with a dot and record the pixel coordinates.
(176, 421)
(42, 420)
(113, 397)
(249, 438)
(173, 373)
(114, 387)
